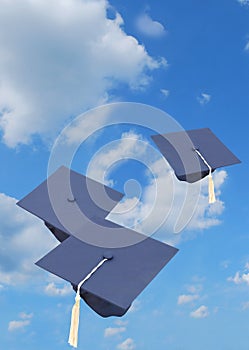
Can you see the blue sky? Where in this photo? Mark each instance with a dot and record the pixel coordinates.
(61, 58)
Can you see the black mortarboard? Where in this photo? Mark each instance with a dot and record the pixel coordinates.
(111, 290)
(181, 151)
(67, 197)
(74, 208)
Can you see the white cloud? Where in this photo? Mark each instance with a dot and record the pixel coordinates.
(20, 324)
(61, 58)
(112, 331)
(243, 2)
(52, 290)
(25, 316)
(205, 215)
(128, 146)
(216, 309)
(204, 98)
(245, 306)
(135, 306)
(247, 46)
(187, 298)
(14, 325)
(157, 312)
(121, 322)
(154, 211)
(194, 288)
(147, 26)
(225, 264)
(165, 92)
(201, 312)
(81, 128)
(128, 344)
(239, 278)
(23, 240)
(219, 178)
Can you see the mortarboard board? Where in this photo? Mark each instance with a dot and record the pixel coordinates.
(74, 208)
(194, 154)
(67, 196)
(112, 289)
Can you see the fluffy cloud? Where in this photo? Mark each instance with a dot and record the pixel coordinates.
(60, 58)
(25, 316)
(225, 264)
(23, 240)
(205, 215)
(187, 298)
(20, 324)
(201, 312)
(121, 322)
(245, 306)
(128, 344)
(130, 145)
(239, 278)
(154, 211)
(135, 306)
(165, 92)
(247, 46)
(147, 26)
(194, 288)
(52, 290)
(243, 2)
(112, 331)
(14, 325)
(204, 98)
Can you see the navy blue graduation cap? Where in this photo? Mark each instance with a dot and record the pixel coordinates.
(126, 272)
(108, 265)
(67, 197)
(194, 154)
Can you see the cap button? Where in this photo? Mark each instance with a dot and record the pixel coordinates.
(107, 255)
(71, 200)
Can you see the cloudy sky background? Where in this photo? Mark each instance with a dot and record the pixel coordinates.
(60, 58)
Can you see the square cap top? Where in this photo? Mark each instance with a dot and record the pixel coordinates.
(68, 199)
(179, 150)
(112, 288)
(73, 205)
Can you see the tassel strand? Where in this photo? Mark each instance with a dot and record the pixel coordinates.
(75, 317)
(211, 193)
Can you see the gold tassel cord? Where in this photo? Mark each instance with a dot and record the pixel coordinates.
(75, 317)
(211, 193)
(211, 189)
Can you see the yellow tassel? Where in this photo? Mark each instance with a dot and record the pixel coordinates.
(74, 328)
(211, 193)
(75, 318)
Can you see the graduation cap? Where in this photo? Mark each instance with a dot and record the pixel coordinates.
(108, 280)
(109, 274)
(194, 154)
(67, 201)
